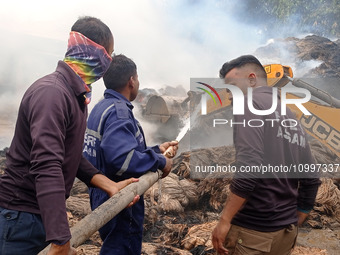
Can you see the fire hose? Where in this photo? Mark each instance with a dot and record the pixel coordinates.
(85, 228)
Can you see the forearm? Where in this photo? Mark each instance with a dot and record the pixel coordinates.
(102, 182)
(301, 217)
(50, 192)
(308, 189)
(86, 171)
(232, 206)
(135, 163)
(64, 249)
(110, 187)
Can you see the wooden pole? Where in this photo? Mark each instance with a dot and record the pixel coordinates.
(85, 228)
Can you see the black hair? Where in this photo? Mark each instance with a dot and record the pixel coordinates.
(240, 62)
(95, 30)
(119, 72)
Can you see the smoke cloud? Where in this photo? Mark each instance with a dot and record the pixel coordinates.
(170, 41)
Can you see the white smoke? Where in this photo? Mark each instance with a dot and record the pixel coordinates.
(170, 41)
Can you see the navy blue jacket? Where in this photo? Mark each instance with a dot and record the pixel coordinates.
(115, 144)
(114, 140)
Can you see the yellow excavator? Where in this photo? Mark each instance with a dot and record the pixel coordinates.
(323, 124)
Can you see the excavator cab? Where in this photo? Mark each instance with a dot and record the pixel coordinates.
(277, 75)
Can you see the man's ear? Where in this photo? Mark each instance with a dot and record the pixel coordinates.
(252, 79)
(131, 82)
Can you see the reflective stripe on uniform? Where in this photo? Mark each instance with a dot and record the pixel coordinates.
(102, 117)
(95, 133)
(138, 133)
(126, 163)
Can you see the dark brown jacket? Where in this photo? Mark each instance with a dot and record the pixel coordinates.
(46, 152)
(277, 190)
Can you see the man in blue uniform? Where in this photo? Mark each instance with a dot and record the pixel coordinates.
(115, 144)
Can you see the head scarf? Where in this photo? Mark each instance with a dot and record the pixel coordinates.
(88, 59)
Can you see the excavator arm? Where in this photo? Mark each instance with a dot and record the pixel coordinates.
(324, 123)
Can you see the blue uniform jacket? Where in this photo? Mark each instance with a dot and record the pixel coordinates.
(114, 140)
(115, 144)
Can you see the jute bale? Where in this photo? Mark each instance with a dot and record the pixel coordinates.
(216, 189)
(79, 187)
(199, 235)
(79, 205)
(190, 189)
(172, 194)
(151, 214)
(328, 199)
(168, 204)
(172, 190)
(181, 165)
(185, 164)
(299, 250)
(156, 249)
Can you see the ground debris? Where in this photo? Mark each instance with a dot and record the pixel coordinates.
(160, 249)
(199, 235)
(299, 250)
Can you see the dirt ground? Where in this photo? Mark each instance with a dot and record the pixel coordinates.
(180, 218)
(180, 212)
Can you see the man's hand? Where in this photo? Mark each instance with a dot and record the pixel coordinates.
(65, 249)
(123, 184)
(114, 187)
(164, 146)
(301, 217)
(167, 169)
(219, 235)
(111, 187)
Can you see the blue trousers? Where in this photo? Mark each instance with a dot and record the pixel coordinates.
(21, 233)
(123, 234)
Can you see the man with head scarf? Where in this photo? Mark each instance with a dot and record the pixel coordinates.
(45, 155)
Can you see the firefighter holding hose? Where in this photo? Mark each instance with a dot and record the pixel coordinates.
(115, 144)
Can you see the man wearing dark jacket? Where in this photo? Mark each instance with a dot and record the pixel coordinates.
(115, 144)
(46, 152)
(263, 210)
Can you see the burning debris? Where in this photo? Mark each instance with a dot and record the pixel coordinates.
(179, 219)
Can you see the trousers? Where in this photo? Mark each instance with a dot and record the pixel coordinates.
(241, 241)
(21, 233)
(124, 233)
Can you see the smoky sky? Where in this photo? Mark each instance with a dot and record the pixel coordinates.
(169, 40)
